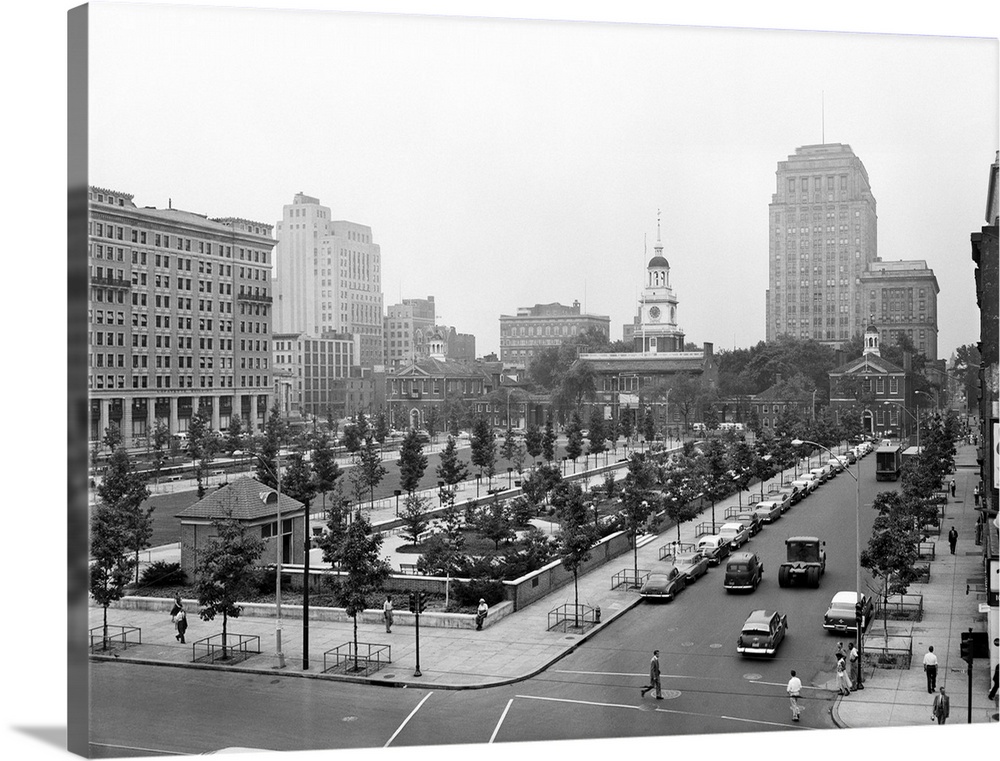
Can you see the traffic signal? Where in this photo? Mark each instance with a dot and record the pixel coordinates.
(421, 601)
(859, 614)
(966, 647)
(413, 602)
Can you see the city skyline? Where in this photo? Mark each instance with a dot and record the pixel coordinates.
(514, 167)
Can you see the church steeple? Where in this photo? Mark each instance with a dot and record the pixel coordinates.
(658, 331)
(871, 339)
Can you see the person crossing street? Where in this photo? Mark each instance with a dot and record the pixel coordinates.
(793, 689)
(654, 677)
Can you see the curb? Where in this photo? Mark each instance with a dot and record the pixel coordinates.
(398, 683)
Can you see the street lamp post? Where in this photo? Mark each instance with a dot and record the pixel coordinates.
(266, 497)
(858, 623)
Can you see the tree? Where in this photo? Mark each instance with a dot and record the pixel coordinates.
(124, 490)
(533, 441)
(364, 572)
(226, 571)
(549, 441)
(414, 517)
(431, 421)
(370, 467)
(968, 361)
(199, 446)
(686, 395)
(361, 423)
(324, 466)
(451, 469)
(597, 435)
(648, 424)
(484, 448)
(574, 438)
(412, 462)
(161, 439)
(352, 438)
(112, 437)
(111, 565)
(380, 431)
(638, 501)
(509, 445)
(626, 422)
(537, 486)
(336, 527)
(682, 488)
(270, 446)
(892, 549)
(494, 522)
(578, 384)
(740, 463)
(714, 472)
(234, 436)
(576, 536)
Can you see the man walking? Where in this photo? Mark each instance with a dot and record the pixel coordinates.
(952, 539)
(793, 689)
(930, 666)
(852, 659)
(654, 677)
(942, 707)
(953, 487)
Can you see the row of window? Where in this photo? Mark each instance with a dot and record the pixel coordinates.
(159, 240)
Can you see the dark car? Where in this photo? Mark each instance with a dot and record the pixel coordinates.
(762, 633)
(768, 510)
(751, 520)
(842, 615)
(744, 571)
(665, 585)
(692, 564)
(716, 548)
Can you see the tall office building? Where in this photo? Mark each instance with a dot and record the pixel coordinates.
(179, 314)
(329, 277)
(822, 239)
(407, 326)
(544, 326)
(902, 299)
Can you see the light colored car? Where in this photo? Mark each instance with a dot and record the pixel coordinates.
(783, 498)
(715, 548)
(736, 533)
(842, 615)
(836, 465)
(823, 473)
(692, 564)
(768, 511)
(762, 633)
(806, 486)
(813, 479)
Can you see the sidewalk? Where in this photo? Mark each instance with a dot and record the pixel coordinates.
(508, 649)
(898, 698)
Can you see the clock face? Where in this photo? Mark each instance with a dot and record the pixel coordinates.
(654, 313)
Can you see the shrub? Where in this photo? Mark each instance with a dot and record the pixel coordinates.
(468, 594)
(163, 574)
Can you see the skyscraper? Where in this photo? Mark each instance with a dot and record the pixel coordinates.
(329, 278)
(822, 236)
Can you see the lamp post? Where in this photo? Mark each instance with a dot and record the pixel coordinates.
(509, 472)
(915, 418)
(397, 492)
(858, 623)
(267, 497)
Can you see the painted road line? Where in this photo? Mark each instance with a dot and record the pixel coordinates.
(400, 728)
(640, 675)
(579, 702)
(502, 717)
(729, 718)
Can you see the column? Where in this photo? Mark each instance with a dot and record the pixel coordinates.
(253, 413)
(127, 423)
(105, 418)
(215, 412)
(150, 416)
(173, 415)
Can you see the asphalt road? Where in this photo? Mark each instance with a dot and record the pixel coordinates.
(592, 693)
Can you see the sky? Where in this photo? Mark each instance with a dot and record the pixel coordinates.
(507, 163)
(554, 169)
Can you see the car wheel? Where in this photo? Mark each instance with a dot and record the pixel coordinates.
(782, 577)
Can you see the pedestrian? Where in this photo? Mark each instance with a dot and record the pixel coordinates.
(852, 659)
(178, 606)
(931, 666)
(979, 530)
(953, 487)
(843, 680)
(481, 612)
(654, 677)
(793, 689)
(387, 614)
(942, 707)
(952, 539)
(180, 620)
(840, 654)
(996, 679)
(975, 494)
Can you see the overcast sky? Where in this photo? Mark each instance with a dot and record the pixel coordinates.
(504, 163)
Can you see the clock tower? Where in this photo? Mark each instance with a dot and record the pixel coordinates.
(657, 330)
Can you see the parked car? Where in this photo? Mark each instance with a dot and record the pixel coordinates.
(715, 548)
(692, 564)
(751, 520)
(783, 498)
(822, 473)
(842, 615)
(664, 585)
(794, 493)
(736, 533)
(744, 570)
(813, 479)
(806, 486)
(835, 465)
(762, 633)
(769, 511)
(852, 456)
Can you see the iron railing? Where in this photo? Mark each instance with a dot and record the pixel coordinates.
(366, 660)
(237, 648)
(123, 635)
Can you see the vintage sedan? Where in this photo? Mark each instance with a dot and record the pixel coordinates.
(768, 511)
(752, 522)
(842, 615)
(793, 492)
(805, 485)
(663, 585)
(715, 548)
(762, 633)
(736, 533)
(692, 564)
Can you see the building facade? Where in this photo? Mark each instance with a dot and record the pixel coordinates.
(903, 297)
(822, 237)
(179, 317)
(877, 390)
(312, 372)
(329, 277)
(407, 326)
(524, 335)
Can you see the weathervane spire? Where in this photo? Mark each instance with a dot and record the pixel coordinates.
(657, 225)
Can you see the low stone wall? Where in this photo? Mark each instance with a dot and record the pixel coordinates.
(332, 615)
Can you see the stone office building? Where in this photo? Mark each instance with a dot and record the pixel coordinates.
(524, 335)
(179, 318)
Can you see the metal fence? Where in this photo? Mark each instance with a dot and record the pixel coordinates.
(236, 648)
(365, 661)
(900, 608)
(574, 616)
(116, 635)
(630, 577)
(923, 571)
(926, 550)
(892, 652)
(669, 551)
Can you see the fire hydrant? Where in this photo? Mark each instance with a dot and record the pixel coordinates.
(597, 614)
